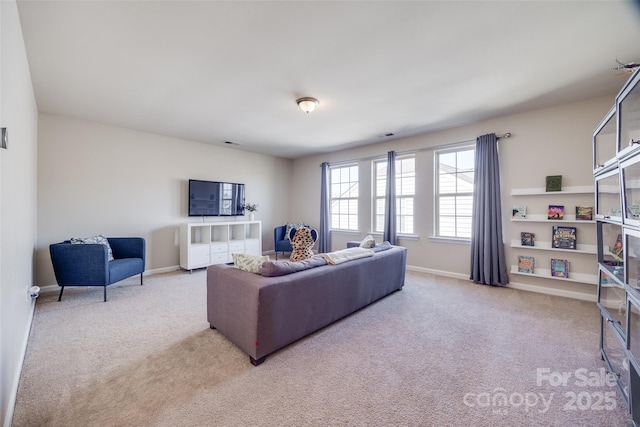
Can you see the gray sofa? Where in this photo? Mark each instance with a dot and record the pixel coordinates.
(262, 314)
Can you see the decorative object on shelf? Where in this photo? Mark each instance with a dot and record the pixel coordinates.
(555, 212)
(525, 264)
(251, 207)
(527, 238)
(584, 213)
(307, 104)
(553, 183)
(563, 237)
(559, 268)
(519, 212)
(616, 249)
(633, 211)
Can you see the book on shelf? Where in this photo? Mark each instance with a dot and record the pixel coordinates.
(553, 183)
(525, 264)
(564, 237)
(527, 238)
(555, 212)
(559, 268)
(617, 247)
(519, 212)
(584, 213)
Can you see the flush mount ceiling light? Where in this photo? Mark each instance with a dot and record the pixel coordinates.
(307, 104)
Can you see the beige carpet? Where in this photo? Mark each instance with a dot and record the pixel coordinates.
(434, 354)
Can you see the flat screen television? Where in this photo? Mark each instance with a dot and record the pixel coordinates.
(213, 198)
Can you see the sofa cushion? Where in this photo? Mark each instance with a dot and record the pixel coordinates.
(99, 239)
(368, 242)
(249, 263)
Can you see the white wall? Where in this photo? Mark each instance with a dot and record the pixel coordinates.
(18, 197)
(552, 141)
(99, 179)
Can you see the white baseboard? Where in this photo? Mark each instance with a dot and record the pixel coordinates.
(56, 288)
(16, 381)
(514, 285)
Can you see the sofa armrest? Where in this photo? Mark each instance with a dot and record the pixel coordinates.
(84, 264)
(128, 247)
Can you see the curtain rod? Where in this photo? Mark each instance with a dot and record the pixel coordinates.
(417, 150)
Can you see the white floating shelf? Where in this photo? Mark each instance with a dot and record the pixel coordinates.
(541, 273)
(546, 246)
(540, 191)
(545, 218)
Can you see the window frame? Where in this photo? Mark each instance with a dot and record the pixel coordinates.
(399, 205)
(351, 200)
(437, 195)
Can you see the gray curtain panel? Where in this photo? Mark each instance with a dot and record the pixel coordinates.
(324, 237)
(488, 264)
(390, 200)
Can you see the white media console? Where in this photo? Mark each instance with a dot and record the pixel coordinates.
(206, 243)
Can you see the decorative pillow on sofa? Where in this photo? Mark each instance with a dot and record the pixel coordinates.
(249, 263)
(289, 227)
(99, 239)
(302, 242)
(368, 242)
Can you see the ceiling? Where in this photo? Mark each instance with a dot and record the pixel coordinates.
(216, 71)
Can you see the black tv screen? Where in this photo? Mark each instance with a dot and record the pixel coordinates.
(213, 198)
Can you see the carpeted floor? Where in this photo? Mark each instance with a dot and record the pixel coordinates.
(441, 352)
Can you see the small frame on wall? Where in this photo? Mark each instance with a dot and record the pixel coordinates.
(5, 138)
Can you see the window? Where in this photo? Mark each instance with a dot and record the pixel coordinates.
(344, 198)
(405, 192)
(454, 192)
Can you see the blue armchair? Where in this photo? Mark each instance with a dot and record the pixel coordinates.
(88, 264)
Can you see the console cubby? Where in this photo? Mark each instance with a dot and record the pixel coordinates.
(204, 244)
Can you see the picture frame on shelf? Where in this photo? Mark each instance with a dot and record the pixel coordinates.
(553, 183)
(555, 212)
(525, 264)
(527, 238)
(560, 268)
(584, 213)
(564, 237)
(519, 212)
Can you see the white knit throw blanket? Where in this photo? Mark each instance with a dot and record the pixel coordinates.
(344, 255)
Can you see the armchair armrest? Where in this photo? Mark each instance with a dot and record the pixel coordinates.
(278, 233)
(85, 264)
(128, 247)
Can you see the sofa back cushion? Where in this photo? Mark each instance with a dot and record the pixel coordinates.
(281, 268)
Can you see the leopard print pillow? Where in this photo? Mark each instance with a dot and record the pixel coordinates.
(302, 242)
